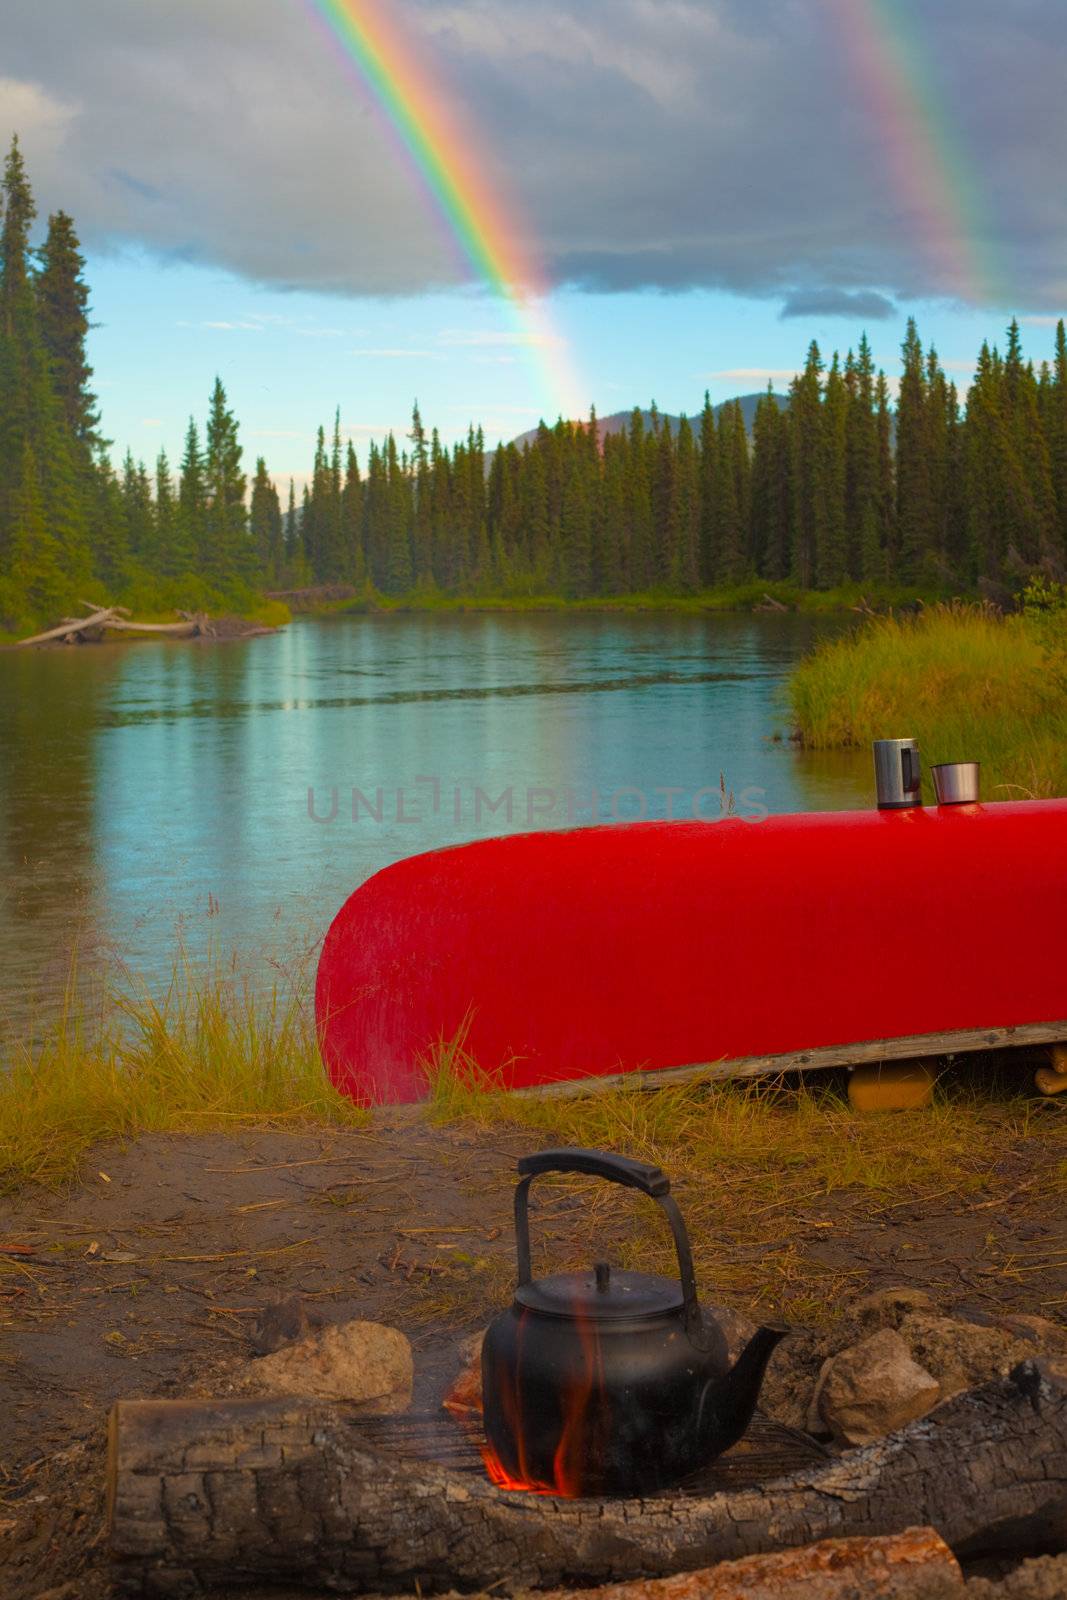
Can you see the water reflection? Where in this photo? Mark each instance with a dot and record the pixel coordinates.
(154, 788)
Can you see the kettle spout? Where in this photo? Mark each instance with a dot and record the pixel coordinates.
(727, 1403)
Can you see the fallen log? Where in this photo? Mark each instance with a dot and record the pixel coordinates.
(70, 626)
(203, 1494)
(116, 619)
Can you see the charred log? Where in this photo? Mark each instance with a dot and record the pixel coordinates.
(280, 1491)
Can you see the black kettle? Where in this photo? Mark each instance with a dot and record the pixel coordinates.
(609, 1382)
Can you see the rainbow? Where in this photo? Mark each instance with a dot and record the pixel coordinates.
(443, 155)
(929, 170)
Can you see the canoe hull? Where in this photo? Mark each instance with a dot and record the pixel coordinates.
(654, 946)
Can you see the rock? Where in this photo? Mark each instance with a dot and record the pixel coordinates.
(1047, 1335)
(814, 1422)
(465, 1395)
(886, 1308)
(737, 1329)
(787, 1389)
(874, 1387)
(961, 1355)
(1042, 1579)
(364, 1362)
(283, 1322)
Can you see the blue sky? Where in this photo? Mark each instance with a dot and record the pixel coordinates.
(691, 174)
(289, 358)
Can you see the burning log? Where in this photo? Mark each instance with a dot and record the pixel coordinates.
(287, 1491)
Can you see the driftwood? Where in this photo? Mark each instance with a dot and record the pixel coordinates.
(284, 1491)
(115, 619)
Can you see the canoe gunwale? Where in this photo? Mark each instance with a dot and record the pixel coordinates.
(959, 1041)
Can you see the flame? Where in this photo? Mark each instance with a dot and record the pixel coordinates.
(584, 1409)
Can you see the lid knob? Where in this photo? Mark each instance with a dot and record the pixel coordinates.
(603, 1277)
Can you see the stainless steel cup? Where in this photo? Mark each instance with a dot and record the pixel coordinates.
(956, 782)
(897, 774)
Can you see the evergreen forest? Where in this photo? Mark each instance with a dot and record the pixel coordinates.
(843, 484)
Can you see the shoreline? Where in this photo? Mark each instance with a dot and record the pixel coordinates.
(767, 599)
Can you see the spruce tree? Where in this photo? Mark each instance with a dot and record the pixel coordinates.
(63, 312)
(229, 554)
(192, 502)
(805, 431)
(709, 466)
(915, 487)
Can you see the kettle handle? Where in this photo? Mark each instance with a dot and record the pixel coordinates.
(615, 1169)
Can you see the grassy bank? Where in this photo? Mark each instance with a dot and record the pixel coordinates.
(209, 1054)
(770, 1175)
(744, 597)
(966, 682)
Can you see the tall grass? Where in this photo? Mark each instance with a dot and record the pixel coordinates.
(966, 682)
(210, 1053)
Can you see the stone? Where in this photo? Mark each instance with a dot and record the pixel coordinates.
(283, 1322)
(364, 1362)
(814, 1421)
(465, 1395)
(873, 1388)
(886, 1308)
(961, 1355)
(1042, 1331)
(1042, 1578)
(737, 1329)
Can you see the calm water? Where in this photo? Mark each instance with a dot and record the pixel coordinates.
(156, 791)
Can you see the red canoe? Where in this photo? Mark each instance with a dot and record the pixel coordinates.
(793, 941)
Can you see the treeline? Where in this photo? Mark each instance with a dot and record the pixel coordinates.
(837, 486)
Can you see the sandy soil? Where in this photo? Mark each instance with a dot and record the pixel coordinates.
(145, 1280)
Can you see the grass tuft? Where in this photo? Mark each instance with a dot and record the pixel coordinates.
(209, 1053)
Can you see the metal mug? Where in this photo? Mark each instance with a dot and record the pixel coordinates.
(956, 782)
(897, 774)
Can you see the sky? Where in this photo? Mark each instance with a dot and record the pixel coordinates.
(701, 187)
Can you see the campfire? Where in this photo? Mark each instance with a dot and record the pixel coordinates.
(609, 1382)
(603, 1436)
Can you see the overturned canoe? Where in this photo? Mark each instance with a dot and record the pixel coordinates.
(793, 941)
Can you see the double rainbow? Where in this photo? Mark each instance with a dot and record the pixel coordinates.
(442, 153)
(934, 181)
(930, 175)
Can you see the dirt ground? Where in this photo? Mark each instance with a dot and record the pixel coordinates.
(145, 1280)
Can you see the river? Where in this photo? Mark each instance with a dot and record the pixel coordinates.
(230, 796)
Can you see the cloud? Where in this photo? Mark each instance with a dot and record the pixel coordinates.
(636, 144)
(1041, 322)
(861, 305)
(477, 338)
(399, 353)
(151, 422)
(761, 375)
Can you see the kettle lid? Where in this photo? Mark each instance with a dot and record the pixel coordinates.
(602, 1294)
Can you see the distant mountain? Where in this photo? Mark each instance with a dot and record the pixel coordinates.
(620, 420)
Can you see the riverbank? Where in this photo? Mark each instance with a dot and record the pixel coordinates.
(757, 595)
(966, 682)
